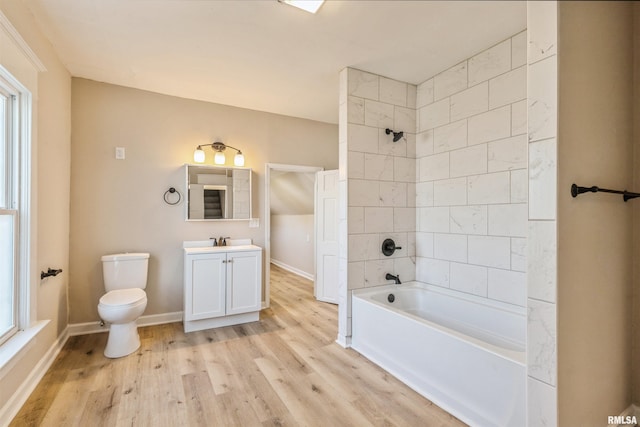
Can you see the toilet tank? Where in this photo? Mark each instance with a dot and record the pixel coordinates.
(124, 271)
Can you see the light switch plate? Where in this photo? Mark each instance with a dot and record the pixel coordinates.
(254, 223)
(120, 153)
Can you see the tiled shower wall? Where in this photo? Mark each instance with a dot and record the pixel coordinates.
(379, 177)
(471, 191)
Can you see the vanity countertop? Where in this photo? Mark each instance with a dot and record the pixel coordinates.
(214, 249)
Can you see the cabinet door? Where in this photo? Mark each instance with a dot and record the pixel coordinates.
(204, 286)
(244, 282)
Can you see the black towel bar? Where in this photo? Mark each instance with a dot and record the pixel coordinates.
(626, 195)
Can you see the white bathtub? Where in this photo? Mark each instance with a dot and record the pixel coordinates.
(464, 353)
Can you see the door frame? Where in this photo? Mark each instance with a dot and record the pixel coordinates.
(267, 217)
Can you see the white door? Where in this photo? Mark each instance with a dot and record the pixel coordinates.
(326, 286)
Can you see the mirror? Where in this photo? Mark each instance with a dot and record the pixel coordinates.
(217, 193)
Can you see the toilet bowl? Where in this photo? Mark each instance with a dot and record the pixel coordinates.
(125, 278)
(121, 308)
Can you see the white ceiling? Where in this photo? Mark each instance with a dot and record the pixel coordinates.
(265, 55)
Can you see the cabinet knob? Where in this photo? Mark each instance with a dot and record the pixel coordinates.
(224, 261)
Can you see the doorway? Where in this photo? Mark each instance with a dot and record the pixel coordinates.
(289, 211)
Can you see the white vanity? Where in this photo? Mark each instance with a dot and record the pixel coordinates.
(222, 284)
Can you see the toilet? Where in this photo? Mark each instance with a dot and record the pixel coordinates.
(125, 278)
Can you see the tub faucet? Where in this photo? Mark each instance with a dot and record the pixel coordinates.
(390, 276)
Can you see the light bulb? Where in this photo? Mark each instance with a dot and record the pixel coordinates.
(198, 155)
(238, 160)
(219, 158)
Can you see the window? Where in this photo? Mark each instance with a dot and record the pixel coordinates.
(9, 209)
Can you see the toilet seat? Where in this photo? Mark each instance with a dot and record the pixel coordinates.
(123, 297)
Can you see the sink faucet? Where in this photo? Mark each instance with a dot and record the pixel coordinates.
(390, 276)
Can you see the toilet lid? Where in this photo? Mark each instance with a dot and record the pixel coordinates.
(122, 297)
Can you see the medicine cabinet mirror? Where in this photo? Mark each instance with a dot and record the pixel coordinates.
(217, 193)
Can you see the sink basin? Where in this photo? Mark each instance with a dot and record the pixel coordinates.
(206, 246)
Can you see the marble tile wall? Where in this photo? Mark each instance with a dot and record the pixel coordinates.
(377, 184)
(542, 22)
(471, 168)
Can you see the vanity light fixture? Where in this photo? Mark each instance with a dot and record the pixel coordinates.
(219, 158)
(310, 6)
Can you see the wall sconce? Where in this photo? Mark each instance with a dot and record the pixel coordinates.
(219, 158)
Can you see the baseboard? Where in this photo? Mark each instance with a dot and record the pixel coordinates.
(293, 269)
(343, 341)
(148, 320)
(13, 405)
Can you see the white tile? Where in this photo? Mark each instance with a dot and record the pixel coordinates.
(450, 247)
(343, 124)
(362, 138)
(378, 167)
(432, 271)
(433, 115)
(542, 407)
(468, 161)
(406, 268)
(362, 84)
(412, 96)
(541, 341)
(450, 137)
(508, 220)
(519, 50)
(388, 147)
(424, 93)
(508, 88)
(471, 279)
(542, 179)
(508, 154)
(542, 99)
(434, 167)
(343, 82)
(356, 219)
(411, 194)
(404, 219)
(411, 246)
(393, 92)
(343, 161)
(542, 29)
(378, 220)
(364, 193)
(519, 254)
(356, 275)
(469, 102)
(433, 220)
(375, 272)
(489, 251)
(355, 110)
(393, 194)
(404, 169)
(424, 194)
(342, 205)
(378, 114)
(404, 120)
(424, 144)
(424, 245)
(488, 189)
(519, 185)
(490, 63)
(508, 286)
(489, 126)
(468, 219)
(450, 81)
(411, 145)
(542, 260)
(363, 247)
(519, 117)
(356, 165)
(450, 192)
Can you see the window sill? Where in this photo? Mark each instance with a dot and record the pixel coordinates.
(16, 347)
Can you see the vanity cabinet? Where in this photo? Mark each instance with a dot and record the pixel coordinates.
(222, 286)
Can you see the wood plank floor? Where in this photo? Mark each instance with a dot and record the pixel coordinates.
(285, 370)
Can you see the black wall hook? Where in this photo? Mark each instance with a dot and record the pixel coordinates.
(626, 195)
(50, 272)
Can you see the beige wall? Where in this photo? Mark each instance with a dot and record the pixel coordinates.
(117, 205)
(595, 147)
(635, 353)
(50, 186)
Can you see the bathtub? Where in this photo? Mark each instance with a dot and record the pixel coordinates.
(464, 353)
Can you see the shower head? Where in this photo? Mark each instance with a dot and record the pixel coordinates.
(396, 135)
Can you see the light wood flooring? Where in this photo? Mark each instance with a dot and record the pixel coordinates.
(285, 370)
